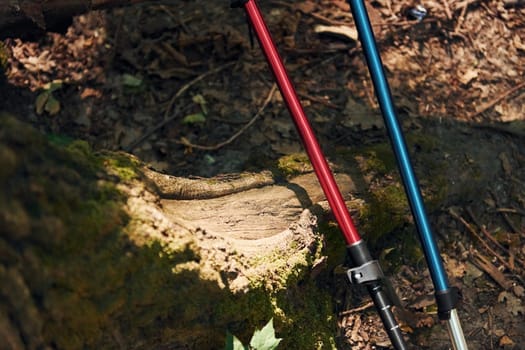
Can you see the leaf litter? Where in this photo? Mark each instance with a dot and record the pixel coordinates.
(141, 68)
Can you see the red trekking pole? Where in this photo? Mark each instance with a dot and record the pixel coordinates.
(366, 271)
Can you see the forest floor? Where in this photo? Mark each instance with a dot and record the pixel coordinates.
(182, 87)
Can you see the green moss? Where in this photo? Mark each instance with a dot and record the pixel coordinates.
(303, 314)
(9, 161)
(293, 164)
(303, 311)
(60, 140)
(122, 165)
(309, 315)
(422, 142)
(80, 151)
(386, 212)
(387, 208)
(100, 282)
(433, 174)
(335, 246)
(379, 159)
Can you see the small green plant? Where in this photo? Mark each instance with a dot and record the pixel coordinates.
(263, 339)
(46, 101)
(199, 117)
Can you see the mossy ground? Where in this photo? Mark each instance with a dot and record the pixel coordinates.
(384, 218)
(92, 279)
(292, 165)
(94, 276)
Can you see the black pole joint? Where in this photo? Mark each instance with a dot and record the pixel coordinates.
(365, 270)
(237, 3)
(368, 272)
(446, 301)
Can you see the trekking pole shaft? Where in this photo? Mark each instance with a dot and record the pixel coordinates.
(319, 163)
(360, 256)
(383, 307)
(445, 296)
(359, 251)
(455, 331)
(398, 144)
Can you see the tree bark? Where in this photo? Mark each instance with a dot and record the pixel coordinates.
(30, 18)
(91, 258)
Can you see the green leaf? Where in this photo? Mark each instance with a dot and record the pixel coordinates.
(209, 159)
(199, 99)
(264, 339)
(41, 102)
(131, 81)
(233, 343)
(52, 105)
(196, 118)
(52, 86)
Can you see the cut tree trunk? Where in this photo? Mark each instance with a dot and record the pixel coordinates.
(90, 257)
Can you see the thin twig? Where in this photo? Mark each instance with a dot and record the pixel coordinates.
(187, 143)
(178, 19)
(499, 98)
(503, 211)
(345, 23)
(175, 114)
(153, 130)
(319, 100)
(192, 82)
(357, 309)
(493, 240)
(511, 210)
(510, 223)
(486, 265)
(503, 214)
(475, 234)
(485, 232)
(461, 19)
(447, 10)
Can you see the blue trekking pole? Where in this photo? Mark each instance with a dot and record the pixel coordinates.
(446, 296)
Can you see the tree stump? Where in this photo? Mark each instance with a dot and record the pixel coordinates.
(91, 257)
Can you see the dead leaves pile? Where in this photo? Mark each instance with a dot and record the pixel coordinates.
(455, 61)
(464, 60)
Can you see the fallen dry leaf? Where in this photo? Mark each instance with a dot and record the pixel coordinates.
(468, 76)
(344, 31)
(512, 303)
(505, 340)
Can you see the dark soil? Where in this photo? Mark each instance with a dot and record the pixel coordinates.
(176, 85)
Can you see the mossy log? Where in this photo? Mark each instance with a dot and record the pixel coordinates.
(91, 257)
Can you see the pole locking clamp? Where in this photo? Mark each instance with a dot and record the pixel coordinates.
(368, 272)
